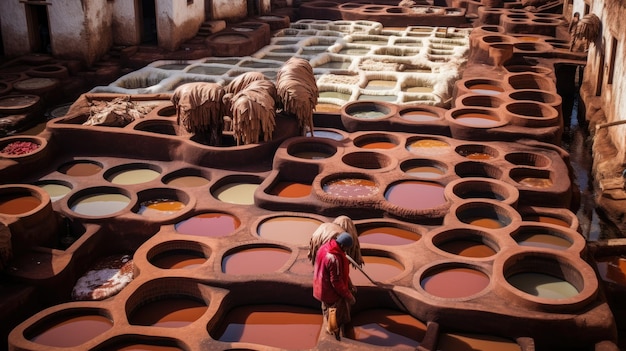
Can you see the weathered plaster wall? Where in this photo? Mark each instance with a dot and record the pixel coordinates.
(14, 28)
(177, 21)
(126, 24)
(80, 29)
(229, 9)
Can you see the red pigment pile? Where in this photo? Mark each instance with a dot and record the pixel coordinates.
(19, 148)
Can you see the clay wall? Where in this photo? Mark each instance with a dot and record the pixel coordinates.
(228, 9)
(126, 24)
(602, 84)
(177, 21)
(14, 28)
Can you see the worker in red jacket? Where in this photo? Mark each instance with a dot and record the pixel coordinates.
(332, 285)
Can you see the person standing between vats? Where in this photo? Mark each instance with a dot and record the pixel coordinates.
(332, 285)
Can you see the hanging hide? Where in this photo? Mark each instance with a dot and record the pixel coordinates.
(253, 112)
(200, 110)
(297, 91)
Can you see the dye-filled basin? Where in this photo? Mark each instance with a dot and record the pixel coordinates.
(21, 147)
(288, 229)
(291, 189)
(428, 146)
(387, 234)
(366, 110)
(477, 152)
(99, 201)
(482, 188)
(546, 237)
(484, 86)
(255, 259)
(238, 191)
(168, 312)
(453, 280)
(612, 269)
(56, 189)
(484, 214)
(532, 178)
(424, 168)
(350, 187)
(129, 174)
(69, 329)
(548, 219)
(186, 178)
(81, 168)
(470, 169)
(367, 160)
(281, 326)
(532, 114)
(376, 141)
(178, 254)
(466, 242)
(18, 200)
(419, 114)
(327, 134)
(311, 150)
(129, 343)
(161, 202)
(388, 328)
(378, 267)
(476, 117)
(158, 127)
(212, 224)
(416, 195)
(475, 342)
(527, 159)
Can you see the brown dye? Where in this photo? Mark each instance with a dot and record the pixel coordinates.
(468, 248)
(80, 169)
(489, 223)
(535, 182)
(327, 108)
(176, 259)
(479, 156)
(291, 189)
(388, 236)
(289, 229)
(378, 268)
(74, 331)
(546, 241)
(469, 342)
(416, 195)
(312, 155)
(486, 89)
(418, 89)
(145, 347)
(477, 119)
(351, 187)
(379, 145)
(14, 205)
(383, 327)
(168, 313)
(379, 84)
(612, 269)
(419, 116)
(188, 181)
(547, 219)
(424, 172)
(257, 260)
(285, 327)
(455, 282)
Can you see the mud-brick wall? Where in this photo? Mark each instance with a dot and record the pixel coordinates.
(605, 101)
(126, 23)
(80, 29)
(235, 9)
(178, 21)
(14, 28)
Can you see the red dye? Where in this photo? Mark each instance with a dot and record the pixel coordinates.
(20, 148)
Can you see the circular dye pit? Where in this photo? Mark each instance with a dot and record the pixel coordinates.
(188, 181)
(540, 237)
(543, 285)
(255, 260)
(130, 346)
(485, 89)
(160, 207)
(178, 259)
(466, 243)
(17, 201)
(367, 160)
(424, 168)
(476, 118)
(453, 282)
(80, 168)
(418, 115)
(237, 193)
(388, 235)
(428, 147)
(378, 268)
(288, 229)
(171, 312)
(131, 174)
(416, 195)
(56, 190)
(368, 110)
(99, 204)
(475, 342)
(380, 84)
(281, 326)
(212, 225)
(73, 331)
(350, 187)
(388, 328)
(472, 188)
(291, 189)
(376, 141)
(547, 220)
(477, 152)
(483, 215)
(312, 151)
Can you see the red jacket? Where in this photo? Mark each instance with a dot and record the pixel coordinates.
(331, 280)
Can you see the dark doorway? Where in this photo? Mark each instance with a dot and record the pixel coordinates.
(148, 20)
(254, 8)
(38, 28)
